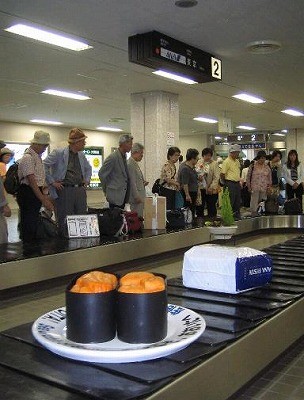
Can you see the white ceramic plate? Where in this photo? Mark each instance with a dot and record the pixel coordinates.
(184, 327)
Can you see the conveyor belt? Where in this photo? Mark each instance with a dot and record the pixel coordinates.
(229, 318)
(24, 265)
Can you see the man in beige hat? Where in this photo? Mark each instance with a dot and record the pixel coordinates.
(231, 175)
(32, 193)
(68, 172)
(5, 157)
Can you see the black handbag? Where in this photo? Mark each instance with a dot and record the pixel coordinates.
(47, 228)
(156, 186)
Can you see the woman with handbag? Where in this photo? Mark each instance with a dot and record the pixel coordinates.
(276, 171)
(209, 170)
(168, 178)
(293, 172)
(189, 180)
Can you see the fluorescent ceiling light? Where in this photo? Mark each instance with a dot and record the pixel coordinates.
(204, 119)
(246, 127)
(43, 121)
(249, 98)
(175, 77)
(106, 128)
(48, 37)
(294, 113)
(278, 134)
(69, 95)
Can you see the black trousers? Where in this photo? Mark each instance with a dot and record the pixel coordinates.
(29, 207)
(210, 201)
(170, 197)
(291, 193)
(234, 189)
(192, 205)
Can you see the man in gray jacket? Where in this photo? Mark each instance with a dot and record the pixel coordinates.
(137, 181)
(68, 173)
(114, 174)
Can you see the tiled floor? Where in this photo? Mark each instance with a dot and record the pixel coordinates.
(283, 380)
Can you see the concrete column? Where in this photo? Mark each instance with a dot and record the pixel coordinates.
(155, 124)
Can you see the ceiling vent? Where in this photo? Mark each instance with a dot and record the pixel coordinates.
(264, 46)
(186, 3)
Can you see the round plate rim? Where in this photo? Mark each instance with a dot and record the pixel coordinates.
(118, 356)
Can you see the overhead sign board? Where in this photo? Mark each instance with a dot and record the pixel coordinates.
(246, 138)
(158, 51)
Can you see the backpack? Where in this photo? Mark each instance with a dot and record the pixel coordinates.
(12, 183)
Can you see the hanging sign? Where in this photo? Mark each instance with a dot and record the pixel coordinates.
(159, 51)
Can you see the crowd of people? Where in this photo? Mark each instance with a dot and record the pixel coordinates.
(59, 182)
(201, 180)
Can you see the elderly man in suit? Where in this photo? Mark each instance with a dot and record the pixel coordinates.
(137, 181)
(114, 175)
(68, 173)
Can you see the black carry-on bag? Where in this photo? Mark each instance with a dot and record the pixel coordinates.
(111, 221)
(175, 219)
(292, 207)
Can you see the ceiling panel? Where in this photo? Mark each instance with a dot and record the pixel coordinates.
(104, 72)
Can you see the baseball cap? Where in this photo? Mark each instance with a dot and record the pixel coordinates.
(234, 147)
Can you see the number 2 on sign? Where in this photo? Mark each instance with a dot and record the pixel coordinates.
(216, 68)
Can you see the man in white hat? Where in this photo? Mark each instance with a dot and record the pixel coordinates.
(32, 193)
(68, 172)
(231, 175)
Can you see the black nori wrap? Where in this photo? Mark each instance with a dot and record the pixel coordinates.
(142, 317)
(90, 317)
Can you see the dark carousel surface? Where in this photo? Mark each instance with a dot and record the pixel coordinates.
(42, 247)
(231, 319)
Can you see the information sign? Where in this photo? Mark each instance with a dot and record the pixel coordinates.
(256, 145)
(95, 157)
(80, 226)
